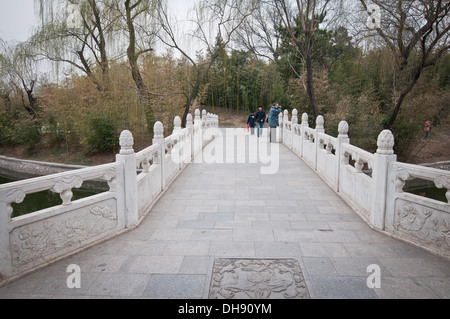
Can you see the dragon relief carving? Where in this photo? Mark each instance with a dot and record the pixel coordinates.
(36, 241)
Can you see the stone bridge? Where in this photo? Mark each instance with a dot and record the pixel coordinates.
(300, 218)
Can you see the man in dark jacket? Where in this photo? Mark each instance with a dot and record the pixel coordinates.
(260, 118)
(251, 122)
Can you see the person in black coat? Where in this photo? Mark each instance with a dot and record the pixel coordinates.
(252, 122)
(260, 118)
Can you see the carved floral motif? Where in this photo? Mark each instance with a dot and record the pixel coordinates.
(409, 218)
(424, 224)
(257, 279)
(41, 239)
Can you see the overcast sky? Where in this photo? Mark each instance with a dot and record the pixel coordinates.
(17, 17)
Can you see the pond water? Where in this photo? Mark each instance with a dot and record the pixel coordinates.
(42, 200)
(430, 192)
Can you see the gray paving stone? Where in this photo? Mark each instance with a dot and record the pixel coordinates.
(140, 248)
(341, 288)
(232, 249)
(334, 236)
(277, 249)
(233, 224)
(370, 250)
(175, 286)
(119, 285)
(411, 267)
(172, 234)
(299, 236)
(195, 265)
(156, 265)
(405, 288)
(187, 248)
(212, 235)
(319, 267)
(357, 266)
(196, 224)
(323, 250)
(253, 235)
(305, 225)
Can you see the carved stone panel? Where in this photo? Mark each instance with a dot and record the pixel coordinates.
(422, 224)
(47, 237)
(257, 279)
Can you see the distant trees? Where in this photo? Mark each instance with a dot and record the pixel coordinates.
(123, 63)
(417, 33)
(223, 18)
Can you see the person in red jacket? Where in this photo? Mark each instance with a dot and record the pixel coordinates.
(427, 129)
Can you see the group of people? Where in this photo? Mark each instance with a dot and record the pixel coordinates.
(259, 119)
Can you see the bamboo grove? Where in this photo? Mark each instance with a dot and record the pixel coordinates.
(95, 67)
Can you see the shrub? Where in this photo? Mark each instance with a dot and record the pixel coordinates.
(101, 136)
(27, 134)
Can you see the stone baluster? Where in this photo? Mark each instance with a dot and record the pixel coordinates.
(320, 128)
(204, 118)
(198, 133)
(279, 129)
(294, 124)
(127, 157)
(158, 133)
(341, 139)
(190, 126)
(303, 132)
(178, 141)
(381, 159)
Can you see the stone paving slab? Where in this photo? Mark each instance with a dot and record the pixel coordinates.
(217, 211)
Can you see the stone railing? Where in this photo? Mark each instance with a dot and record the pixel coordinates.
(372, 184)
(135, 182)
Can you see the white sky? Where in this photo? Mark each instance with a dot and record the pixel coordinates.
(17, 18)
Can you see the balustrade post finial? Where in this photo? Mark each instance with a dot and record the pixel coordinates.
(343, 129)
(385, 143)
(294, 116)
(197, 119)
(305, 120)
(126, 142)
(189, 122)
(320, 122)
(158, 130)
(177, 124)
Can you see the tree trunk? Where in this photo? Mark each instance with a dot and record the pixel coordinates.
(403, 95)
(135, 73)
(102, 46)
(310, 84)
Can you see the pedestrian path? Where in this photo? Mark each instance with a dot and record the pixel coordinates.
(214, 211)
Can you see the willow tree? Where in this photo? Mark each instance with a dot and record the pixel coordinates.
(417, 33)
(221, 18)
(79, 33)
(89, 34)
(19, 73)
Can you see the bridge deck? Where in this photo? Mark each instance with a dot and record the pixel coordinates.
(231, 210)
